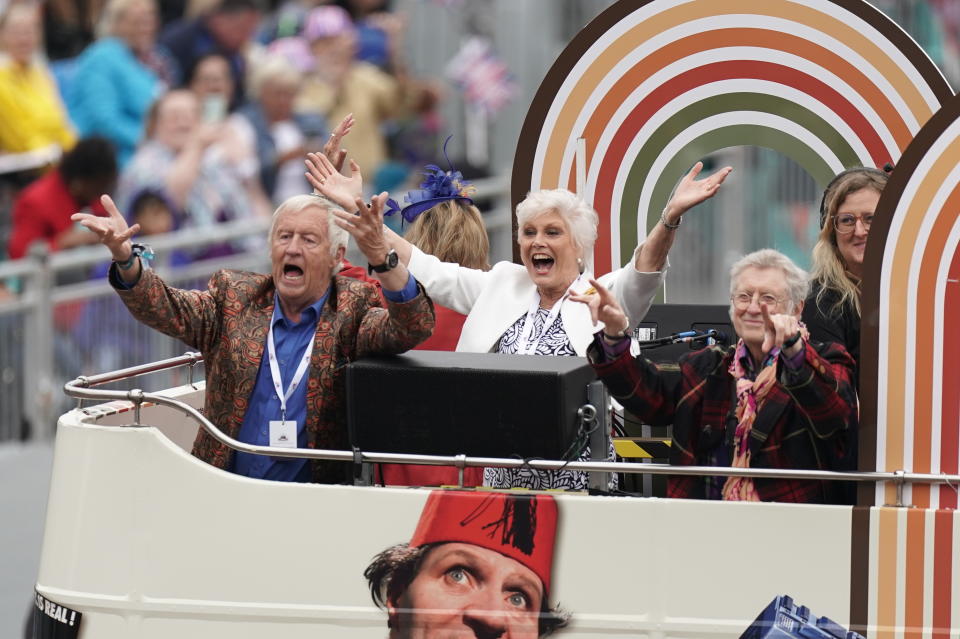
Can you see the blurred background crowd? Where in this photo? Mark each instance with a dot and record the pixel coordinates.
(195, 113)
(196, 116)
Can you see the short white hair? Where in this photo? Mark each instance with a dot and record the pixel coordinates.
(272, 68)
(110, 15)
(337, 236)
(580, 217)
(797, 280)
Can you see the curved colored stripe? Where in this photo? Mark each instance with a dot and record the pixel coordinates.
(886, 288)
(673, 126)
(754, 135)
(901, 278)
(925, 327)
(697, 44)
(698, 148)
(913, 578)
(950, 411)
(943, 573)
(747, 69)
(753, 70)
(581, 54)
(887, 554)
(843, 32)
(722, 71)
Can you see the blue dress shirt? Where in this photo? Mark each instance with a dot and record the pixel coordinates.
(290, 340)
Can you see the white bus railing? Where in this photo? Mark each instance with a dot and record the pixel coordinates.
(82, 388)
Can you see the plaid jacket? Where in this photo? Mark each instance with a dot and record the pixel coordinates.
(809, 419)
(228, 323)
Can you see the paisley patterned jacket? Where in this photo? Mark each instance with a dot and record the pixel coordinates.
(228, 323)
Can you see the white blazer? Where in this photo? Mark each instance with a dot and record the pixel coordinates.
(493, 300)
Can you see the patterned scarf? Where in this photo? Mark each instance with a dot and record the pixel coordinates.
(750, 398)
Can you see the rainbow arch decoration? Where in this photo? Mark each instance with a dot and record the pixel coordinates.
(651, 87)
(910, 390)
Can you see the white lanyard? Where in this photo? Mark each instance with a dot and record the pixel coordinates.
(297, 376)
(526, 346)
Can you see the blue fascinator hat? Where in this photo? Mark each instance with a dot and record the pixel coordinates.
(438, 186)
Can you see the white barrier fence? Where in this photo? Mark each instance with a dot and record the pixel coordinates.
(66, 319)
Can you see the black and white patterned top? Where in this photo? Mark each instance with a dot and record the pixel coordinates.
(545, 479)
(554, 342)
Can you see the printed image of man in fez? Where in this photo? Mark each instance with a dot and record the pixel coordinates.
(478, 565)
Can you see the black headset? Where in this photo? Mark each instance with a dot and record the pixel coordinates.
(887, 168)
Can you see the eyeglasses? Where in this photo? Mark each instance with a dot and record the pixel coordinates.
(847, 222)
(743, 299)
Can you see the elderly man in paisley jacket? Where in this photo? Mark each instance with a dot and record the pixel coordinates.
(309, 321)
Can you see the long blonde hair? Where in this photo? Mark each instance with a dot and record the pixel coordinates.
(829, 270)
(454, 232)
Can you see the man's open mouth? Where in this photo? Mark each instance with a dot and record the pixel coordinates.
(292, 272)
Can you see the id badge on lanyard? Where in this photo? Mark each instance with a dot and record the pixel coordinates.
(283, 433)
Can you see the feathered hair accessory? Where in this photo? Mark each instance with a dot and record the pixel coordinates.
(438, 186)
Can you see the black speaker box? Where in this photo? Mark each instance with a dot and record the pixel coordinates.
(477, 404)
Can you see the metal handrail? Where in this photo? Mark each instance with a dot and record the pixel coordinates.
(86, 381)
(85, 256)
(80, 388)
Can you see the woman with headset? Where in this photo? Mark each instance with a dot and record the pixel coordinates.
(832, 310)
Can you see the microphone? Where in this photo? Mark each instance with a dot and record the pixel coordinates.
(683, 337)
(718, 337)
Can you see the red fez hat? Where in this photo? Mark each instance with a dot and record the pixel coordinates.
(521, 527)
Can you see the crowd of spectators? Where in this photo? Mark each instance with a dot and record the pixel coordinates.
(208, 105)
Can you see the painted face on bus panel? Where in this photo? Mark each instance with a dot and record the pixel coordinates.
(852, 245)
(548, 251)
(748, 322)
(465, 591)
(301, 261)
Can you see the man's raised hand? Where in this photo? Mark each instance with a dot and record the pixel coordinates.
(777, 329)
(112, 230)
(366, 227)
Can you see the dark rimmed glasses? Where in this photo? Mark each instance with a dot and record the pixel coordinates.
(743, 299)
(847, 222)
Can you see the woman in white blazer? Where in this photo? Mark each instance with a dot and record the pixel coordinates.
(556, 234)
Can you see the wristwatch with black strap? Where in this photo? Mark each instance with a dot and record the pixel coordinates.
(390, 262)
